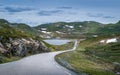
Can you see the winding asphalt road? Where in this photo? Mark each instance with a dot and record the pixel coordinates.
(40, 64)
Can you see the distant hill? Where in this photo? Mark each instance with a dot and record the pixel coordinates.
(4, 21)
(7, 31)
(86, 28)
(83, 27)
(25, 28)
(62, 29)
(17, 28)
(71, 29)
(110, 29)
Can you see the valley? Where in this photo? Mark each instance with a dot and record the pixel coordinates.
(97, 54)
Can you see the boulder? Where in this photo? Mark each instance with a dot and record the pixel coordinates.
(21, 47)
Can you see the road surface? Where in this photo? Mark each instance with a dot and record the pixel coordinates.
(40, 64)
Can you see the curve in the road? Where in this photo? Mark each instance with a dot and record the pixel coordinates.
(40, 64)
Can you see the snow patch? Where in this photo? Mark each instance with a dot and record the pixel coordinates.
(46, 32)
(102, 41)
(43, 29)
(109, 40)
(80, 26)
(69, 26)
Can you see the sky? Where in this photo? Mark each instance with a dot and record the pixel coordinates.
(36, 12)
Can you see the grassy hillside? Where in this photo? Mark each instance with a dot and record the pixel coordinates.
(71, 29)
(18, 29)
(25, 28)
(108, 52)
(86, 27)
(110, 29)
(81, 29)
(7, 31)
(92, 58)
(19, 40)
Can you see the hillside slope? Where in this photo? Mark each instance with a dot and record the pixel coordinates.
(70, 29)
(26, 28)
(80, 29)
(15, 43)
(110, 29)
(85, 27)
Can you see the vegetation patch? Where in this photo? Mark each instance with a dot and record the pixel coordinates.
(66, 46)
(92, 58)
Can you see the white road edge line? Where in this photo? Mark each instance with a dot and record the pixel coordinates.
(67, 73)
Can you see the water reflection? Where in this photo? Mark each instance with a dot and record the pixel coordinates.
(57, 41)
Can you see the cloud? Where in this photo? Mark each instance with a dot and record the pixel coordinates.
(17, 9)
(108, 17)
(99, 15)
(94, 15)
(72, 13)
(64, 7)
(49, 13)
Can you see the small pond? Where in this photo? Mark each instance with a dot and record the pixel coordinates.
(57, 41)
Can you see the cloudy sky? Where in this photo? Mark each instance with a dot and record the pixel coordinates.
(35, 12)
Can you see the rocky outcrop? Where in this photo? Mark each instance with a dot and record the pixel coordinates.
(21, 47)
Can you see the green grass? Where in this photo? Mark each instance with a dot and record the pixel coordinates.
(86, 64)
(4, 59)
(83, 62)
(108, 52)
(6, 31)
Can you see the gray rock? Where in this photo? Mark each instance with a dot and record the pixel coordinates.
(21, 47)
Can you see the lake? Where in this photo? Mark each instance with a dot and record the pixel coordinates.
(57, 41)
